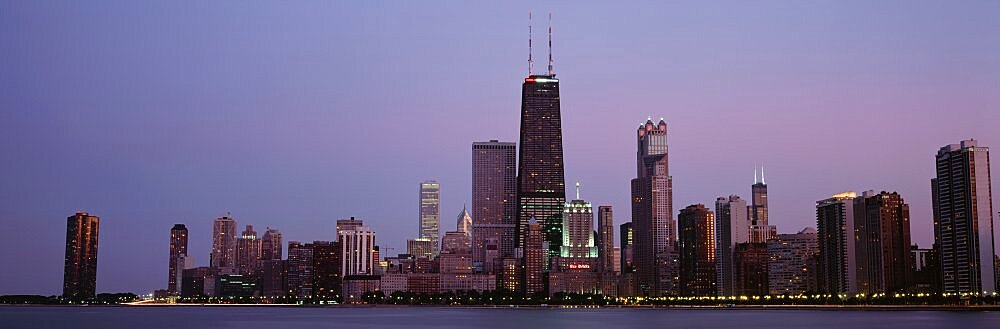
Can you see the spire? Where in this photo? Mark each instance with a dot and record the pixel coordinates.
(762, 174)
(578, 190)
(551, 71)
(530, 61)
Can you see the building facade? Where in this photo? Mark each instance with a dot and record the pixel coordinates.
(732, 226)
(882, 228)
(791, 265)
(178, 248)
(248, 248)
(606, 240)
(494, 202)
(654, 230)
(224, 242)
(541, 185)
(696, 243)
(80, 270)
(963, 218)
(760, 230)
(357, 251)
(271, 245)
(430, 213)
(578, 230)
(836, 236)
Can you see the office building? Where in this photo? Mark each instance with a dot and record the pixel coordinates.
(696, 243)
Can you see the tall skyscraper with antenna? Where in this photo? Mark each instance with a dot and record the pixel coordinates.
(760, 231)
(541, 186)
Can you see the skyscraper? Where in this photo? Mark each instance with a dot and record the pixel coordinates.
(760, 231)
(835, 228)
(300, 269)
(963, 218)
(464, 222)
(732, 227)
(430, 213)
(326, 271)
(696, 243)
(605, 239)
(882, 227)
(534, 259)
(80, 271)
(541, 185)
(271, 245)
(791, 268)
(626, 247)
(224, 243)
(494, 203)
(248, 248)
(652, 213)
(178, 248)
(349, 224)
(357, 251)
(420, 247)
(578, 229)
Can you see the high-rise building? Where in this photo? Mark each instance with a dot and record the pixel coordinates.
(652, 213)
(464, 222)
(326, 272)
(300, 269)
(420, 247)
(273, 278)
(963, 218)
(248, 248)
(790, 267)
(835, 228)
(760, 231)
(80, 271)
(271, 245)
(349, 224)
(541, 185)
(578, 230)
(750, 263)
(605, 239)
(178, 248)
(456, 253)
(926, 270)
(494, 201)
(224, 242)
(357, 251)
(534, 259)
(696, 245)
(882, 228)
(430, 213)
(626, 248)
(732, 226)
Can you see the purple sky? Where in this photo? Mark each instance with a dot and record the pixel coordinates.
(292, 115)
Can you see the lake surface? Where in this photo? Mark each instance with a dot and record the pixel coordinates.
(445, 317)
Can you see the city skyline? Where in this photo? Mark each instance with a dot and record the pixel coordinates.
(144, 192)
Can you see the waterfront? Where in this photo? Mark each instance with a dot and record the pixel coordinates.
(466, 317)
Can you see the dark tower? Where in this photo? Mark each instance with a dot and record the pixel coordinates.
(80, 275)
(541, 186)
(178, 248)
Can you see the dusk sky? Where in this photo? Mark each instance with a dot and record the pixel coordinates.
(293, 114)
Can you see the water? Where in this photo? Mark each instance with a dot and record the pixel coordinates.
(443, 317)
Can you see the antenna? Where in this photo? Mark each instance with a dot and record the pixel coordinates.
(755, 173)
(550, 45)
(530, 61)
(762, 174)
(578, 190)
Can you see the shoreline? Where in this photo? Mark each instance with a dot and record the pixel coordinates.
(949, 308)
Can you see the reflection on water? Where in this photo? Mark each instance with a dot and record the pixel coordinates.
(441, 317)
